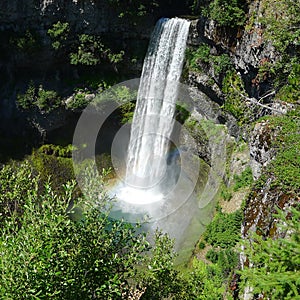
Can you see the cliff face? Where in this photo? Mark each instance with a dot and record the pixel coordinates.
(248, 51)
(26, 52)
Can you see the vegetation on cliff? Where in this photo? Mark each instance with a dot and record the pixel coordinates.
(54, 244)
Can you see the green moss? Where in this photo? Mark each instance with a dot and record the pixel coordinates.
(55, 162)
(284, 168)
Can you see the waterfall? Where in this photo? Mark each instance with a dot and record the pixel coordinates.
(156, 102)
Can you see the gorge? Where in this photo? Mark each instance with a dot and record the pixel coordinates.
(212, 159)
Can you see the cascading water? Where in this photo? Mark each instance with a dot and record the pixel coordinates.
(169, 192)
(153, 117)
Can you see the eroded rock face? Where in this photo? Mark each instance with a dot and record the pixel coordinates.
(246, 47)
(261, 209)
(261, 151)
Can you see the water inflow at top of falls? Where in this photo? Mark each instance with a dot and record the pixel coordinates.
(154, 113)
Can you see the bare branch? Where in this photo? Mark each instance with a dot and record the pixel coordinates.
(256, 101)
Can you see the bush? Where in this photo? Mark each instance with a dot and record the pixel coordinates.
(91, 51)
(243, 180)
(227, 12)
(274, 270)
(221, 64)
(45, 100)
(26, 100)
(284, 168)
(224, 230)
(233, 88)
(52, 251)
(206, 282)
(79, 101)
(201, 245)
(59, 34)
(226, 259)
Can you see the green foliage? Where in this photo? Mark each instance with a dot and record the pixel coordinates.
(290, 92)
(243, 180)
(55, 162)
(220, 63)
(59, 34)
(45, 100)
(274, 270)
(284, 168)
(182, 113)
(91, 51)
(201, 245)
(227, 12)
(226, 259)
(27, 99)
(233, 88)
(25, 43)
(132, 9)
(116, 57)
(161, 279)
(194, 57)
(16, 181)
(205, 282)
(124, 97)
(52, 251)
(225, 194)
(282, 19)
(127, 111)
(224, 230)
(79, 101)
(57, 150)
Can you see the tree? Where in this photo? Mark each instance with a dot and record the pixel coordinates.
(274, 269)
(50, 250)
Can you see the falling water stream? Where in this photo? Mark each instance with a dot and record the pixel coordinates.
(157, 175)
(153, 120)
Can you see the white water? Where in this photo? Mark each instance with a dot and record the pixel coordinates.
(153, 117)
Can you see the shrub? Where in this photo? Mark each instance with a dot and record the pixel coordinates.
(47, 100)
(53, 251)
(243, 180)
(274, 270)
(201, 245)
(26, 100)
(221, 63)
(59, 34)
(233, 87)
(91, 51)
(226, 259)
(79, 101)
(26, 43)
(227, 12)
(224, 230)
